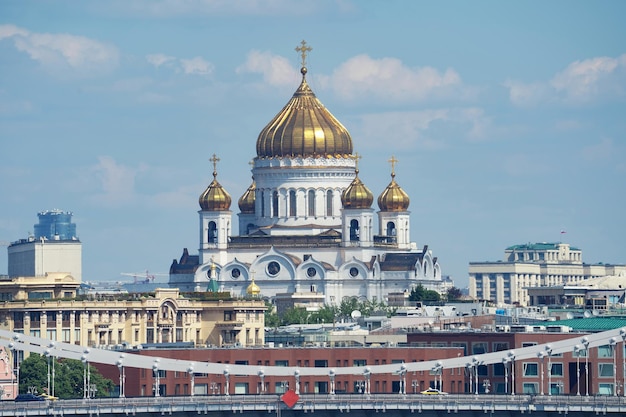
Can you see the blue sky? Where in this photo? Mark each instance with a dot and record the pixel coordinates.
(507, 118)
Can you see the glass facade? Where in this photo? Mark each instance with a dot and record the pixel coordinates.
(55, 225)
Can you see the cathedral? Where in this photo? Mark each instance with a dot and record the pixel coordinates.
(306, 223)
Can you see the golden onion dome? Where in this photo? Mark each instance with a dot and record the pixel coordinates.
(215, 197)
(246, 201)
(253, 289)
(357, 195)
(393, 198)
(304, 128)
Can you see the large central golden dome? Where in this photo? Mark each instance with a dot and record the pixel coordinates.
(304, 128)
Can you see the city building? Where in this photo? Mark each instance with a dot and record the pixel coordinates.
(306, 222)
(532, 265)
(179, 383)
(163, 317)
(54, 248)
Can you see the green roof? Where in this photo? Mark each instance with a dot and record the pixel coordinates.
(590, 324)
(538, 246)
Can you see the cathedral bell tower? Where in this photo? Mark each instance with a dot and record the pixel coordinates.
(215, 215)
(393, 217)
(357, 214)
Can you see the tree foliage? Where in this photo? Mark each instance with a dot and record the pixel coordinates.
(68, 377)
(419, 293)
(454, 293)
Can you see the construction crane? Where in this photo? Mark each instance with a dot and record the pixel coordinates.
(142, 277)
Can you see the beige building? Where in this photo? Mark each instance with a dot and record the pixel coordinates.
(166, 316)
(532, 265)
(53, 285)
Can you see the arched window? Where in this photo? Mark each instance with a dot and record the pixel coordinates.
(354, 230)
(275, 204)
(329, 203)
(249, 228)
(262, 203)
(311, 203)
(212, 233)
(391, 229)
(292, 203)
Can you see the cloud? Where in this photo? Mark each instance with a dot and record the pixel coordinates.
(117, 182)
(193, 66)
(580, 82)
(600, 152)
(421, 129)
(389, 79)
(63, 51)
(276, 70)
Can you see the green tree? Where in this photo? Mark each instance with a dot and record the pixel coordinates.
(295, 315)
(454, 293)
(419, 293)
(271, 316)
(68, 377)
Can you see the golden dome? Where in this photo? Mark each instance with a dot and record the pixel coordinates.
(246, 201)
(215, 197)
(253, 289)
(303, 128)
(393, 198)
(357, 195)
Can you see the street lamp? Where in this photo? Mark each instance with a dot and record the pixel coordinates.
(331, 376)
(469, 368)
(192, 376)
(296, 375)
(368, 387)
(549, 353)
(86, 373)
(120, 367)
(577, 349)
(157, 379)
(486, 385)
(505, 364)
(512, 359)
(541, 355)
(585, 343)
(227, 384)
(440, 373)
(16, 362)
(261, 375)
(476, 362)
(612, 343)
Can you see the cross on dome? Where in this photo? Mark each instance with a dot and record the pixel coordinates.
(214, 159)
(393, 162)
(303, 50)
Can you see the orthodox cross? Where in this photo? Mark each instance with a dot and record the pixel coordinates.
(215, 160)
(393, 162)
(303, 50)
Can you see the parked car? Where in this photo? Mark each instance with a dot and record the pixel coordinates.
(433, 391)
(29, 397)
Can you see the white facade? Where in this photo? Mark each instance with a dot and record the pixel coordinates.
(38, 257)
(532, 265)
(306, 223)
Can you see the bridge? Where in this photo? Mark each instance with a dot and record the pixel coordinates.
(325, 405)
(511, 403)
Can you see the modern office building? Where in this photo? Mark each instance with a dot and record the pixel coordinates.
(54, 248)
(306, 222)
(532, 265)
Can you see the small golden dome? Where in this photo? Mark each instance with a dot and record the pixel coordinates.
(246, 201)
(215, 197)
(253, 289)
(304, 128)
(393, 198)
(357, 195)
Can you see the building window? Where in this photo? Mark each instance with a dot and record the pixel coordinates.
(354, 272)
(530, 369)
(329, 203)
(605, 389)
(273, 268)
(311, 203)
(292, 204)
(212, 233)
(262, 204)
(281, 363)
(354, 230)
(320, 363)
(557, 369)
(275, 204)
(359, 362)
(479, 348)
(605, 370)
(530, 388)
(311, 272)
(605, 351)
(391, 229)
(235, 273)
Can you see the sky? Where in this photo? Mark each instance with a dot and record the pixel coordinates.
(508, 119)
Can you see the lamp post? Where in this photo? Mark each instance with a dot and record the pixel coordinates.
(331, 376)
(262, 378)
(486, 385)
(549, 353)
(368, 386)
(622, 333)
(440, 373)
(86, 374)
(468, 366)
(120, 367)
(585, 343)
(541, 355)
(476, 362)
(505, 364)
(613, 343)
(296, 375)
(227, 383)
(192, 376)
(577, 349)
(402, 379)
(512, 359)
(415, 386)
(16, 363)
(157, 381)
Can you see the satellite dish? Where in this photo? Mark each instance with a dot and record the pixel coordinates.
(595, 313)
(355, 314)
(587, 314)
(570, 315)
